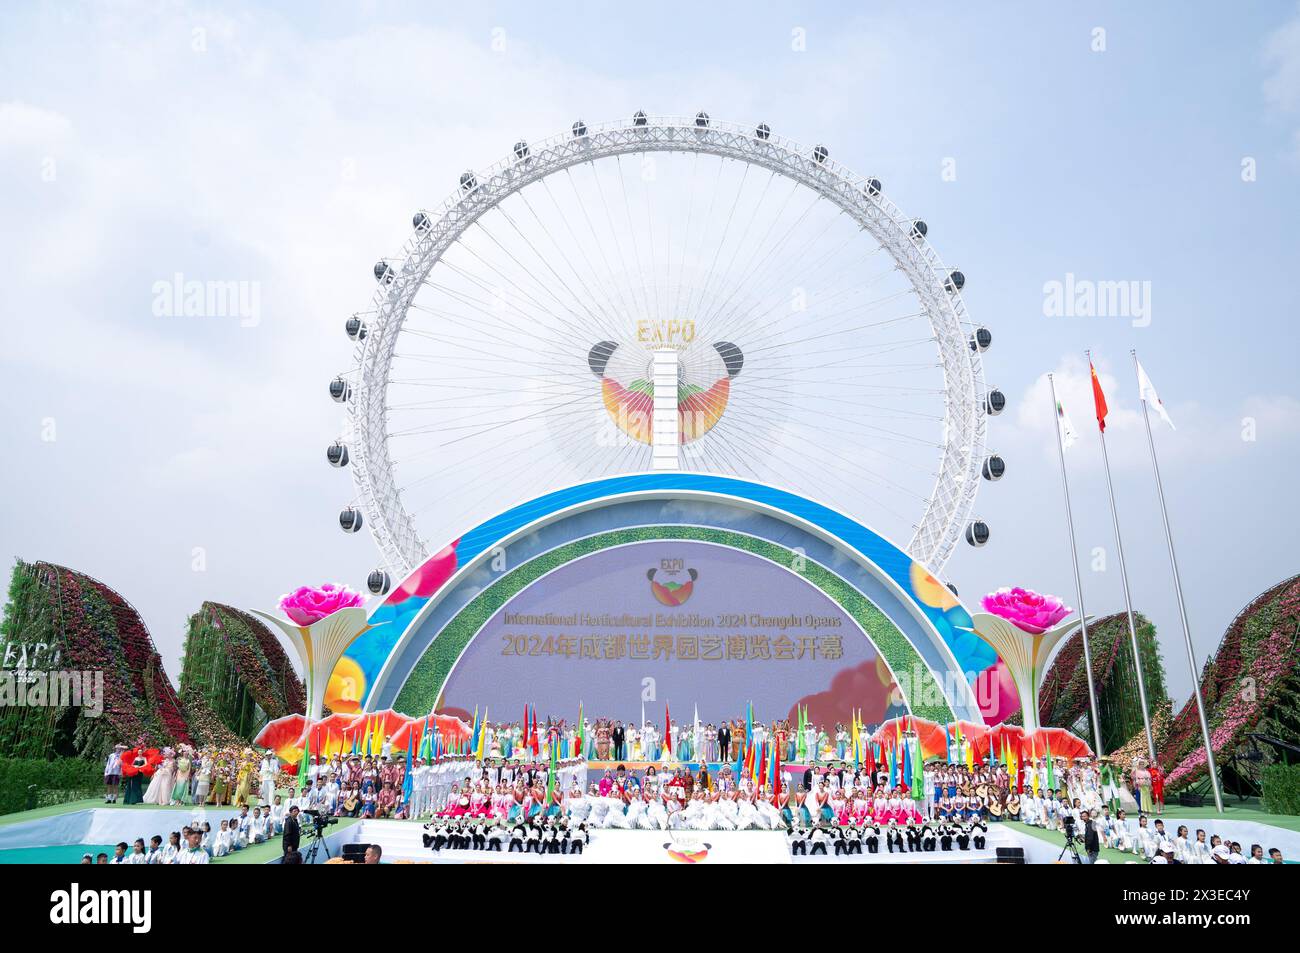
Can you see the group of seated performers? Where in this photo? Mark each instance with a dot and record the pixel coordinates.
(538, 835)
(910, 837)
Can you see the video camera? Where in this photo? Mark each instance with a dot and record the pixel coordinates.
(320, 821)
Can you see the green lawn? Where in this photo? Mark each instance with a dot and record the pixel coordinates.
(1174, 815)
(255, 854)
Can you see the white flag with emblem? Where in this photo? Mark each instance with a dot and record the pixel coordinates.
(1068, 434)
(1147, 391)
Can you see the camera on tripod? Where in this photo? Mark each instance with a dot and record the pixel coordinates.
(320, 822)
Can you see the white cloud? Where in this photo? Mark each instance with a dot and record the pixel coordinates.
(1282, 59)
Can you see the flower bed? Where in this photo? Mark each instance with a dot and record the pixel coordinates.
(1251, 682)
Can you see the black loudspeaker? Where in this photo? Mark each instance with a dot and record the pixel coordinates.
(1011, 855)
(355, 853)
(1191, 799)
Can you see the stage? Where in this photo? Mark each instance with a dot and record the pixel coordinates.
(401, 841)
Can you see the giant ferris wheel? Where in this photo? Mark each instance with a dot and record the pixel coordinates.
(665, 293)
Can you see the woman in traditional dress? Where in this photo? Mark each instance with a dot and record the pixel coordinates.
(220, 778)
(1157, 787)
(1142, 785)
(133, 786)
(184, 764)
(160, 786)
(204, 781)
(598, 806)
(244, 778)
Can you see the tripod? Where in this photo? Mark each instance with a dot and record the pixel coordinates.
(316, 843)
(1072, 848)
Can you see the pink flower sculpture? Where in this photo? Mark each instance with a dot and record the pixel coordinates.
(308, 604)
(1026, 609)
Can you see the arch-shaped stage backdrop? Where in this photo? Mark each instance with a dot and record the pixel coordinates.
(706, 590)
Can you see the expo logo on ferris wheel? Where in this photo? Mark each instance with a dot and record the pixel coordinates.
(667, 583)
(670, 333)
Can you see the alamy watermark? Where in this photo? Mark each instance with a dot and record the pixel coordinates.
(35, 688)
(1085, 298)
(180, 297)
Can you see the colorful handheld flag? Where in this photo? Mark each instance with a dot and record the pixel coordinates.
(302, 766)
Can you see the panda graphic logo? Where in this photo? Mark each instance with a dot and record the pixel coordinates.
(672, 591)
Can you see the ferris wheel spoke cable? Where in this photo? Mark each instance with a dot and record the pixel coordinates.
(756, 263)
(495, 292)
(757, 290)
(761, 449)
(654, 266)
(610, 323)
(686, 235)
(595, 274)
(523, 293)
(618, 288)
(747, 230)
(774, 279)
(584, 301)
(543, 286)
(487, 307)
(618, 246)
(707, 287)
(480, 332)
(757, 419)
(823, 301)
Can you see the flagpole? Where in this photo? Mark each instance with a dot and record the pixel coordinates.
(1078, 583)
(1128, 599)
(1182, 608)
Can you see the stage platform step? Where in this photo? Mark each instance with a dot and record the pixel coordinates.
(402, 841)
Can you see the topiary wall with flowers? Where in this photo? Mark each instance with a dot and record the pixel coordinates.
(1063, 697)
(236, 667)
(1250, 684)
(57, 619)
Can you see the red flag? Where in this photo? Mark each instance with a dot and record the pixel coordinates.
(776, 775)
(668, 732)
(1099, 399)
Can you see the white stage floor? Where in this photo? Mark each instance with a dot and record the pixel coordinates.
(402, 842)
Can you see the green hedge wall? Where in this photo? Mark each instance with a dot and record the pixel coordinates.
(1282, 789)
(57, 781)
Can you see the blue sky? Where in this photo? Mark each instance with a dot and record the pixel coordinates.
(288, 147)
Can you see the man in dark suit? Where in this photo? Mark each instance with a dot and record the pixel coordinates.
(724, 742)
(1091, 843)
(292, 832)
(619, 737)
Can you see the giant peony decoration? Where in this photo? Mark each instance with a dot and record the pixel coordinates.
(1023, 627)
(1029, 610)
(325, 621)
(308, 604)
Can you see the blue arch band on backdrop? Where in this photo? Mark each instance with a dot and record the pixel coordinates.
(864, 559)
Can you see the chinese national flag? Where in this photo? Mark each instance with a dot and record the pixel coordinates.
(1099, 399)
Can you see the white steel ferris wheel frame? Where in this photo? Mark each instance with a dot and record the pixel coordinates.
(948, 509)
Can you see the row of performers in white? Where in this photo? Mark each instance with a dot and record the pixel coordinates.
(541, 835)
(1145, 839)
(906, 838)
(650, 806)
